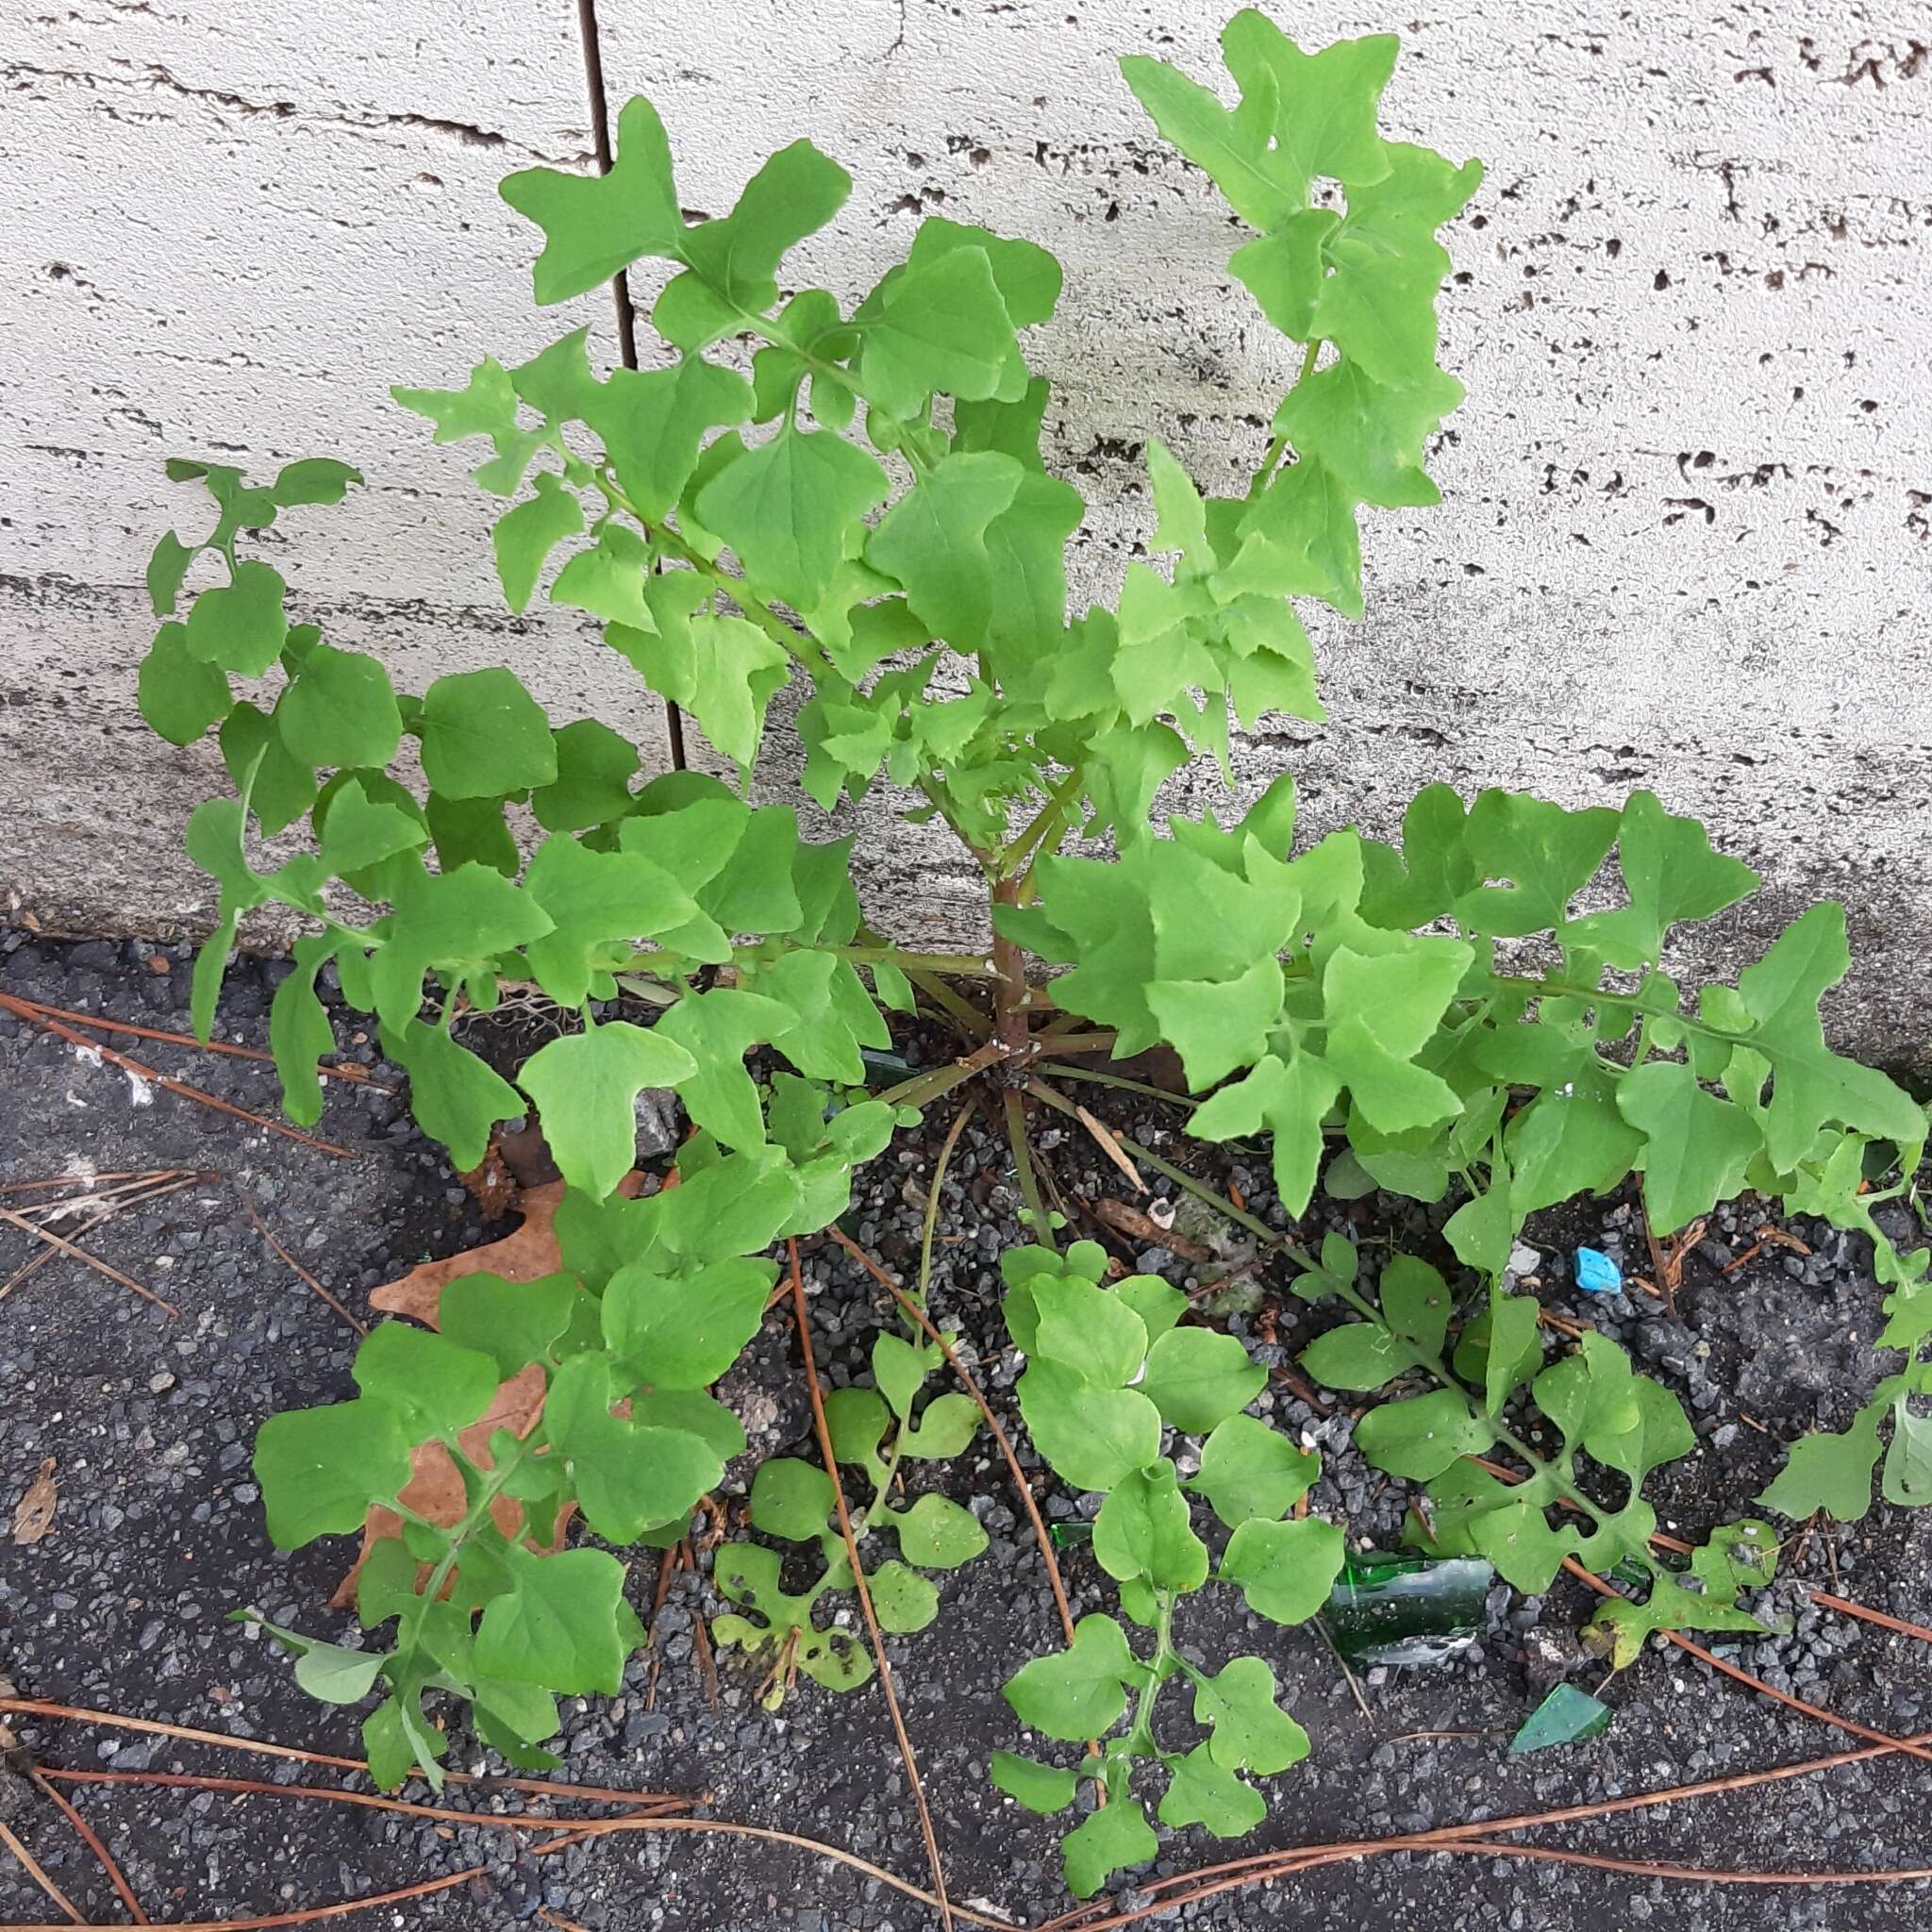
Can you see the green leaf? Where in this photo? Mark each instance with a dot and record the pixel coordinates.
(1811, 1084)
(595, 225)
(515, 1322)
(321, 1468)
(940, 324)
(1088, 1330)
(299, 1033)
(339, 711)
(933, 541)
(595, 767)
(683, 1333)
(716, 1028)
(336, 1675)
(282, 787)
(1250, 1731)
(312, 479)
(723, 670)
(1671, 873)
(1284, 270)
(1514, 1350)
(1284, 1570)
(1384, 1009)
(947, 1425)
(363, 819)
(857, 1420)
(1198, 1377)
(653, 422)
(790, 1499)
(1547, 853)
(596, 900)
(1288, 1102)
(179, 695)
(1421, 1437)
(936, 1534)
(793, 196)
(1368, 437)
(608, 580)
(167, 567)
(436, 1385)
(455, 1097)
(832, 1016)
(786, 508)
(1250, 1469)
(1142, 1530)
(1359, 1354)
(396, 1739)
(239, 625)
(1041, 1788)
(1415, 1305)
(1830, 1472)
(1202, 1790)
(900, 1370)
(484, 735)
(558, 1623)
(902, 1599)
(524, 538)
(485, 406)
(1217, 1027)
(629, 1478)
(1324, 103)
(585, 1087)
(1262, 183)
(1696, 1146)
(1106, 1842)
(471, 831)
(1078, 1692)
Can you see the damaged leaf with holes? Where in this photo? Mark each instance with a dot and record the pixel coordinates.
(878, 1438)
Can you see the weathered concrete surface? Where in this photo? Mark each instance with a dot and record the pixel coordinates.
(230, 229)
(1688, 535)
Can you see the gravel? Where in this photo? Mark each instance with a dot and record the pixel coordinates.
(158, 1537)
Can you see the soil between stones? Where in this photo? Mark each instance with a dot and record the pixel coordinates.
(158, 1535)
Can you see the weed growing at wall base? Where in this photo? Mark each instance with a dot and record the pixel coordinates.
(854, 503)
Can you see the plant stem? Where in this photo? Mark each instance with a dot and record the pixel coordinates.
(1499, 1430)
(1120, 1080)
(932, 1206)
(1182, 1178)
(1011, 1002)
(1023, 1164)
(491, 1482)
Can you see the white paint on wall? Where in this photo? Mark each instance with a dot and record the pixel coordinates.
(1688, 534)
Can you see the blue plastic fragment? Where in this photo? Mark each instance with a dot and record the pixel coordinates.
(1596, 1273)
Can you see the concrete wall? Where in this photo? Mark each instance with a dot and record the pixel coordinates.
(1688, 535)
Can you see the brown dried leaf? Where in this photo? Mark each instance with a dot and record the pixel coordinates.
(528, 1253)
(34, 1515)
(491, 1184)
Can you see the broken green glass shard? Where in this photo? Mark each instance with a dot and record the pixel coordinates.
(1066, 1536)
(1566, 1716)
(1406, 1610)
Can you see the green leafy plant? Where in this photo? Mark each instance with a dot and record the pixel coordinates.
(851, 500)
(582, 1391)
(1624, 1422)
(1107, 1369)
(873, 1431)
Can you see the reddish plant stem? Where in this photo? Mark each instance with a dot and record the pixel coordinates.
(1011, 1006)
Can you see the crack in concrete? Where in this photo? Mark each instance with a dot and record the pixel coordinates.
(154, 79)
